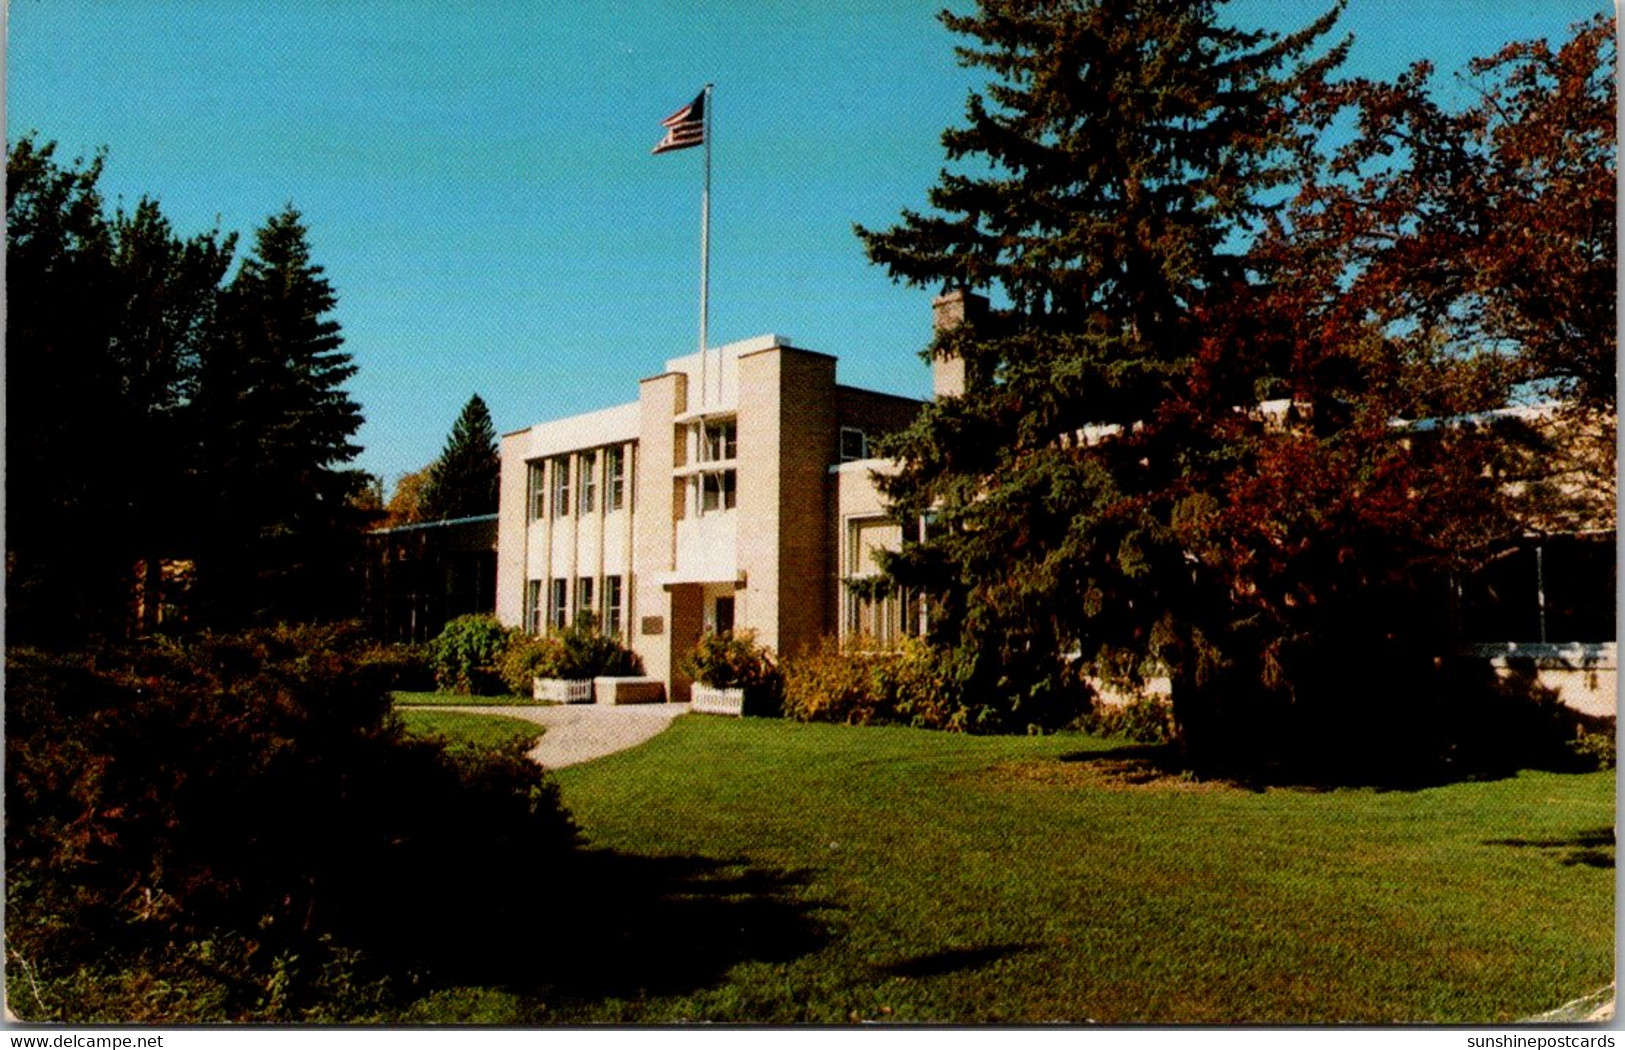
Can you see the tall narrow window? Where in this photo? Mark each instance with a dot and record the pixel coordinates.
(719, 490)
(615, 475)
(719, 440)
(558, 611)
(534, 612)
(584, 597)
(614, 606)
(561, 486)
(589, 483)
(536, 494)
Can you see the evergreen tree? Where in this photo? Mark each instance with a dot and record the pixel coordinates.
(167, 293)
(60, 315)
(107, 318)
(275, 424)
(463, 481)
(1176, 452)
(1080, 490)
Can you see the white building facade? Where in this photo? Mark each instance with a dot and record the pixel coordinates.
(735, 493)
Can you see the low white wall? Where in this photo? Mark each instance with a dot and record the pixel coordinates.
(1584, 677)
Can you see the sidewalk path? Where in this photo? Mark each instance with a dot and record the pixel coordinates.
(582, 732)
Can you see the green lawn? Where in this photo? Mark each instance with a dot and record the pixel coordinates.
(765, 871)
(418, 699)
(463, 727)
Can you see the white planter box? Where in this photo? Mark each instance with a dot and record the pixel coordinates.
(562, 690)
(714, 701)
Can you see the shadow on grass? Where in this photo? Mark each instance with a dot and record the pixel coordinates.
(604, 924)
(1164, 765)
(1593, 847)
(1349, 726)
(953, 960)
(1152, 766)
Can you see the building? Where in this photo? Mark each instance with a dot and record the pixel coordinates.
(738, 492)
(417, 577)
(734, 493)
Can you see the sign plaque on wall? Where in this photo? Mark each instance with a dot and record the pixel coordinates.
(654, 625)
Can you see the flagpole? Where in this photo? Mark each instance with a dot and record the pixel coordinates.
(705, 248)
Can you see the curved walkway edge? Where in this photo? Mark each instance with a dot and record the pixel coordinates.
(1589, 1009)
(579, 733)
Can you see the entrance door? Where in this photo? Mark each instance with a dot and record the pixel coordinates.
(724, 615)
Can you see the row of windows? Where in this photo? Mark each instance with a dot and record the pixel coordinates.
(718, 440)
(552, 494)
(555, 609)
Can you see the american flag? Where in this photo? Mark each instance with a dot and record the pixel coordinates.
(685, 128)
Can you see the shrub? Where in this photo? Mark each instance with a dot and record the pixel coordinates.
(586, 653)
(528, 657)
(1594, 750)
(578, 651)
(233, 828)
(734, 660)
(467, 653)
(399, 665)
(861, 682)
(1146, 719)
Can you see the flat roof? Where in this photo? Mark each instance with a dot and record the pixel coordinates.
(607, 426)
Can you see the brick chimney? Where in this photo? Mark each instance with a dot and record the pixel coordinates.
(948, 311)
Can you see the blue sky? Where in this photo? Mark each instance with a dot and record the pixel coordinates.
(478, 183)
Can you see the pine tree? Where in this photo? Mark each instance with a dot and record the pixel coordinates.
(1127, 152)
(463, 481)
(1177, 449)
(107, 318)
(275, 428)
(60, 317)
(167, 293)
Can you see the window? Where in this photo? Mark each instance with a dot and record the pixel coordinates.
(615, 478)
(561, 486)
(589, 483)
(885, 616)
(534, 612)
(536, 491)
(865, 536)
(718, 490)
(584, 597)
(874, 609)
(854, 444)
(719, 441)
(614, 606)
(1555, 590)
(558, 610)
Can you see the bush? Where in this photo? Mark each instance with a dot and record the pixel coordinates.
(861, 682)
(236, 827)
(1594, 750)
(1146, 719)
(528, 657)
(730, 660)
(467, 655)
(577, 652)
(399, 665)
(734, 660)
